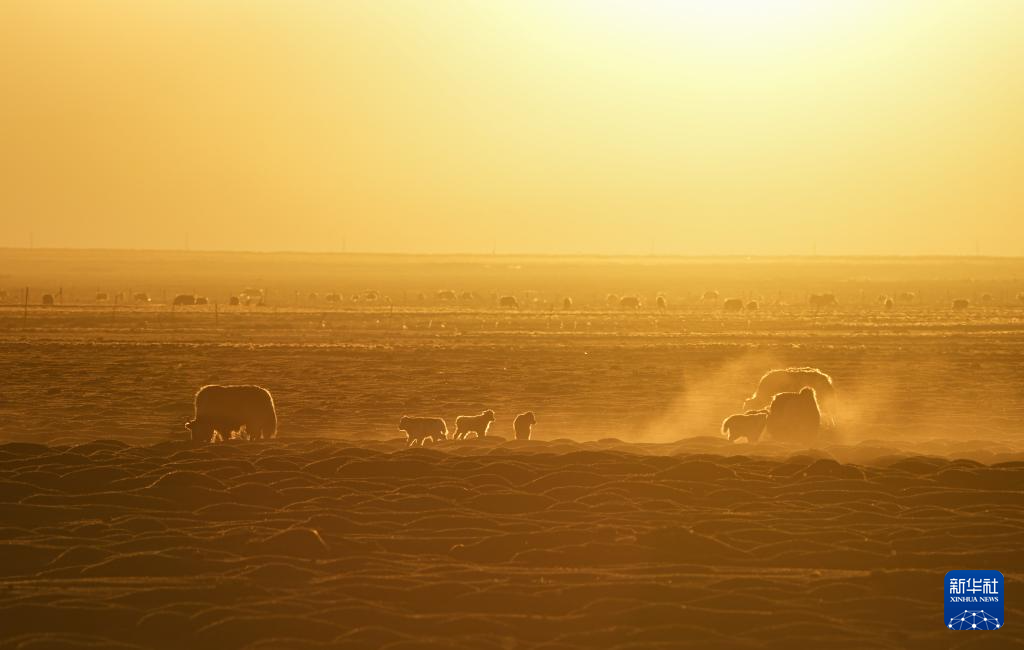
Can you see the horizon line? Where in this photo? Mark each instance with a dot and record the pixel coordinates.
(478, 254)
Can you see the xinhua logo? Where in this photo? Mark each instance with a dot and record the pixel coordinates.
(974, 600)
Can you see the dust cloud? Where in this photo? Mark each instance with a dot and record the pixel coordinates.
(706, 398)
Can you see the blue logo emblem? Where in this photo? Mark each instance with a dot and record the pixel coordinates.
(974, 600)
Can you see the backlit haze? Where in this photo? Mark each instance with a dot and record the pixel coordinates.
(716, 127)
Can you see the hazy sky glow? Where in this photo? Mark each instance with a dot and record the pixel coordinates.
(703, 127)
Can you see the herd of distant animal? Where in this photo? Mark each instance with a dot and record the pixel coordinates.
(247, 297)
(790, 405)
(257, 297)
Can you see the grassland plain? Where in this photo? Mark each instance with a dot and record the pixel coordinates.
(83, 368)
(629, 522)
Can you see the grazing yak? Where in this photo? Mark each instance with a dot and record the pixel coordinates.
(733, 304)
(419, 429)
(509, 301)
(478, 424)
(753, 305)
(823, 300)
(794, 417)
(184, 299)
(749, 425)
(249, 410)
(792, 380)
(960, 304)
(248, 295)
(523, 425)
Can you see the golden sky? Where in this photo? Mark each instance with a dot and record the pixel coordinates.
(548, 126)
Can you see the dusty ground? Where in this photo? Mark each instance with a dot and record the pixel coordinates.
(660, 533)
